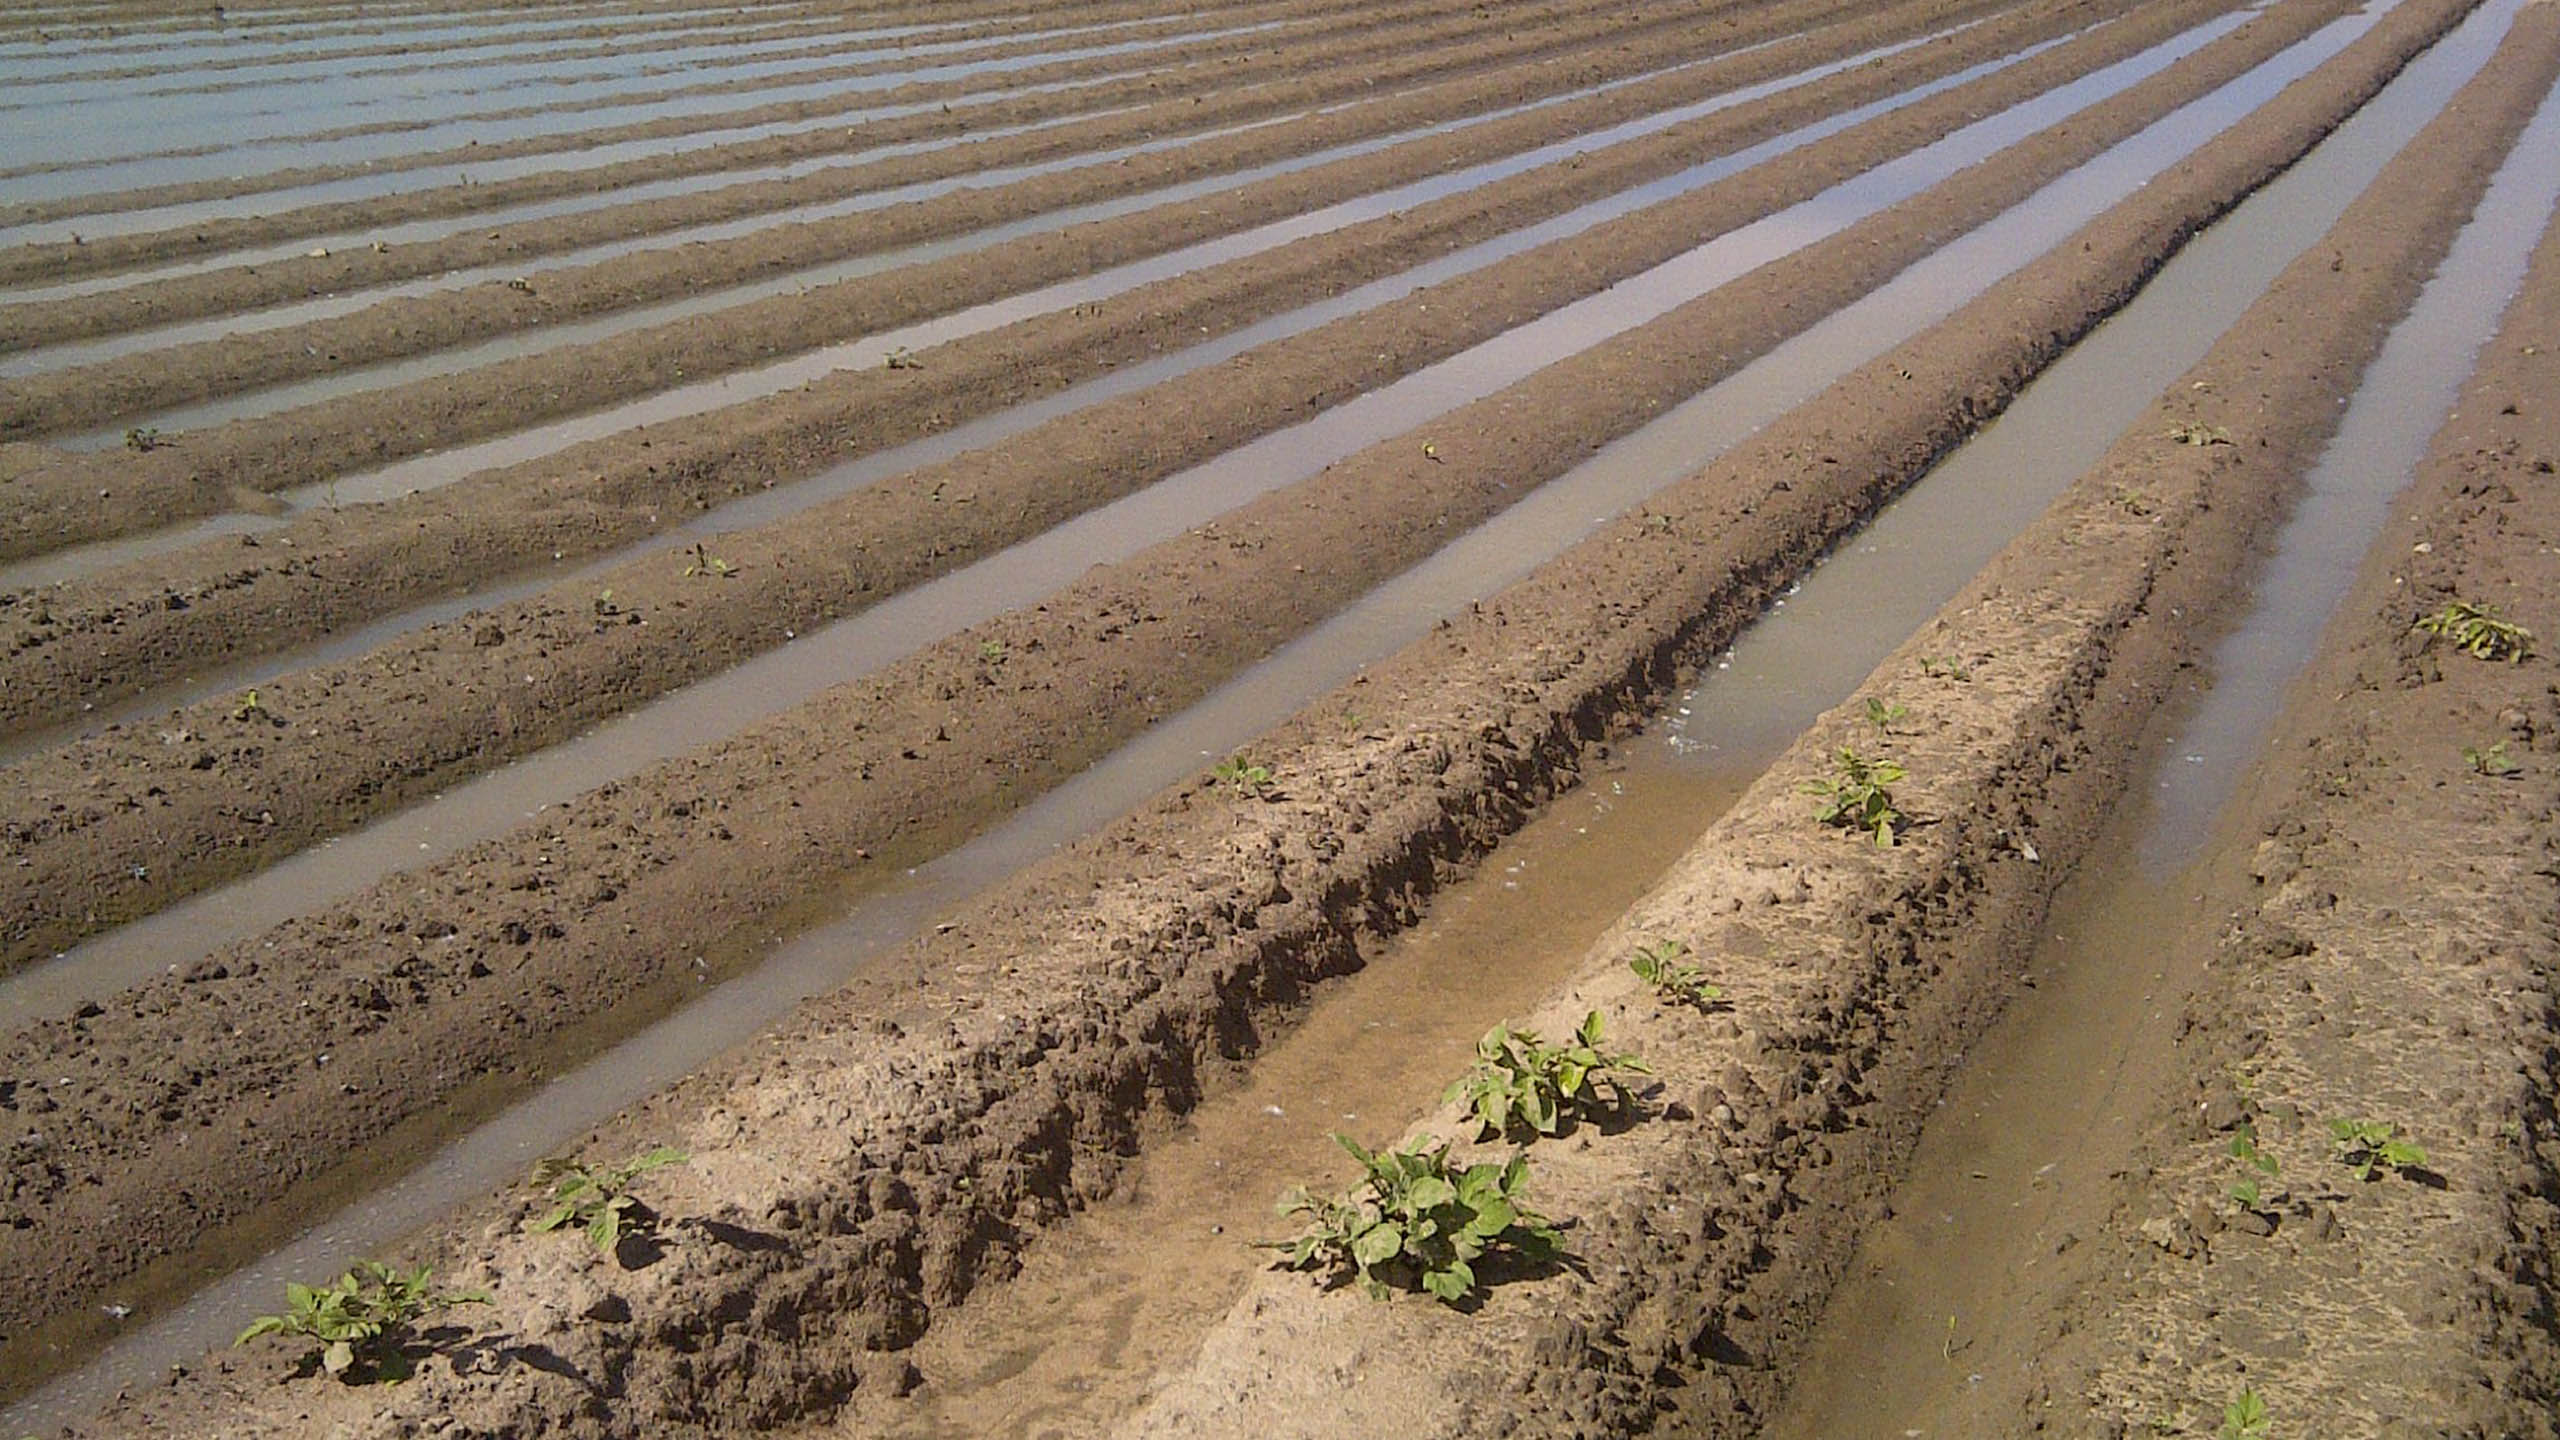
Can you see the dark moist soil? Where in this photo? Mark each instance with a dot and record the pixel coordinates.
(1219, 910)
(1860, 978)
(91, 496)
(2389, 950)
(421, 712)
(1317, 72)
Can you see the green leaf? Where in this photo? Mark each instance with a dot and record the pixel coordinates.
(1377, 1245)
(1430, 1192)
(338, 1358)
(1451, 1284)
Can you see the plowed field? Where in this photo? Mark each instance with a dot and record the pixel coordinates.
(991, 622)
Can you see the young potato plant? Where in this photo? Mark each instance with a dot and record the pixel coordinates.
(599, 1201)
(2369, 1147)
(1413, 1222)
(2245, 1419)
(366, 1317)
(1884, 715)
(2258, 1171)
(1244, 779)
(2492, 762)
(1521, 1081)
(1674, 983)
(2477, 630)
(1855, 796)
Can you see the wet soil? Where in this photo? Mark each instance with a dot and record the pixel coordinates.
(944, 1272)
(1860, 981)
(900, 1145)
(420, 713)
(2381, 947)
(85, 496)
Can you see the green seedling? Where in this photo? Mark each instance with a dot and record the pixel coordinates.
(599, 1201)
(1884, 715)
(249, 708)
(2477, 630)
(142, 439)
(1243, 778)
(993, 652)
(706, 563)
(1414, 1222)
(367, 1316)
(1855, 796)
(2369, 1147)
(2244, 1419)
(2257, 1170)
(2188, 432)
(1520, 1081)
(1938, 667)
(2492, 762)
(1658, 965)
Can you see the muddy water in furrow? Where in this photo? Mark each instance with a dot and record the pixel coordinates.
(1129, 1288)
(444, 467)
(770, 506)
(553, 337)
(820, 958)
(287, 100)
(79, 175)
(112, 216)
(2023, 1143)
(447, 226)
(743, 385)
(1509, 546)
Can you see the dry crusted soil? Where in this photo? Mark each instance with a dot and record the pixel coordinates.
(897, 1145)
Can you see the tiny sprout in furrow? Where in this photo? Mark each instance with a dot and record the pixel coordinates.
(1414, 1222)
(2369, 1147)
(2258, 1170)
(1243, 779)
(1519, 1082)
(2245, 1419)
(1659, 965)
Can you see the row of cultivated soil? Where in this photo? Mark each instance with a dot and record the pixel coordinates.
(123, 821)
(2389, 951)
(1707, 1238)
(896, 1144)
(1345, 63)
(64, 253)
(65, 497)
(474, 965)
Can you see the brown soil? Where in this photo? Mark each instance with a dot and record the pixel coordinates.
(415, 719)
(894, 1149)
(91, 496)
(834, 779)
(2385, 949)
(1859, 979)
(1453, 48)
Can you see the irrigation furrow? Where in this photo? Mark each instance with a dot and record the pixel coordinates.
(1858, 977)
(536, 165)
(902, 531)
(773, 232)
(392, 140)
(767, 823)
